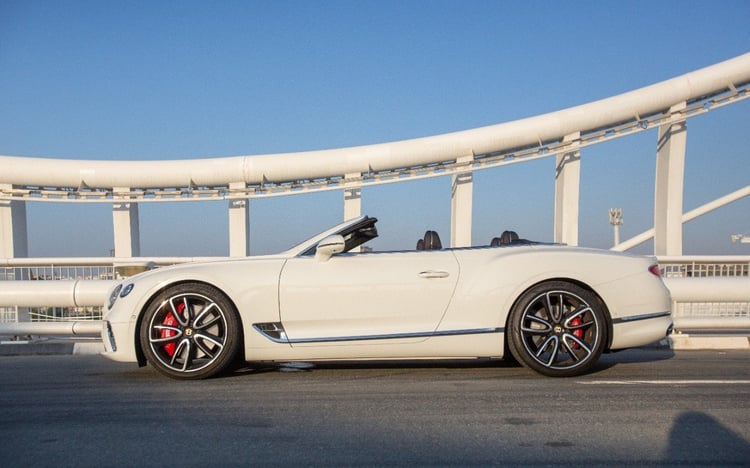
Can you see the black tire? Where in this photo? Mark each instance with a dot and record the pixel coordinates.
(558, 329)
(190, 331)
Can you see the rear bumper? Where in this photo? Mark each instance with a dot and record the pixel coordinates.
(640, 330)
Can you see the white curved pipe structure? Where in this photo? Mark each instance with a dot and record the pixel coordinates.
(60, 293)
(285, 167)
(78, 328)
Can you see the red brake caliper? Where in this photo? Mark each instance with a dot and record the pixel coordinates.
(578, 333)
(170, 321)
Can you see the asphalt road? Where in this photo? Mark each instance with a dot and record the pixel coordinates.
(641, 407)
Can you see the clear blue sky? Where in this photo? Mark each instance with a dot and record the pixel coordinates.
(146, 80)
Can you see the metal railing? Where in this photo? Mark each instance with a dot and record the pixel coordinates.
(46, 301)
(54, 272)
(57, 272)
(708, 292)
(704, 266)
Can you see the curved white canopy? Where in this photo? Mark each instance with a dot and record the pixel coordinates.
(284, 167)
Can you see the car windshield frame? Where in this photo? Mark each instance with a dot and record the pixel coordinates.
(346, 227)
(356, 233)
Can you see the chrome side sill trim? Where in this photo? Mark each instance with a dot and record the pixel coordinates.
(636, 318)
(395, 336)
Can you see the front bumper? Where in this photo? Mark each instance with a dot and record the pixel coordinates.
(119, 344)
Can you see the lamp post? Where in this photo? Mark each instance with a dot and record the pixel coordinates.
(615, 219)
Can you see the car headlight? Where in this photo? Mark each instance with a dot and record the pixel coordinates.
(127, 289)
(113, 296)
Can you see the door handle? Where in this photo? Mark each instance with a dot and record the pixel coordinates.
(434, 274)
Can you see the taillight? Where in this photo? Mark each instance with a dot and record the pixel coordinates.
(654, 270)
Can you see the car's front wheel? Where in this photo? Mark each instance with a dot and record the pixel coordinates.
(558, 329)
(190, 331)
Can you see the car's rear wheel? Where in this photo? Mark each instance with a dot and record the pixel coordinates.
(558, 329)
(190, 331)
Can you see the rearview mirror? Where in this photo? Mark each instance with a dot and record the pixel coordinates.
(329, 246)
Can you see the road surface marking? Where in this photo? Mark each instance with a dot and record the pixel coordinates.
(665, 382)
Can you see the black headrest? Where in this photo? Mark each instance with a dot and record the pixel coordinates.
(507, 237)
(432, 241)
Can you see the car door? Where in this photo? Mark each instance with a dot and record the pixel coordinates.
(366, 296)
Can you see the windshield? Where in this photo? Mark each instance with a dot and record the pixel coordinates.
(354, 235)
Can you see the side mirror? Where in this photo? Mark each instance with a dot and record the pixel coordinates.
(328, 247)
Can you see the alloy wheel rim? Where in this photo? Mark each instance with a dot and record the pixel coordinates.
(560, 330)
(187, 332)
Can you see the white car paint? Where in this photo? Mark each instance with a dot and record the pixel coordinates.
(451, 303)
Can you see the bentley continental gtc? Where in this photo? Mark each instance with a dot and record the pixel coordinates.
(553, 308)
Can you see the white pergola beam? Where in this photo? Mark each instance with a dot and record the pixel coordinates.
(670, 171)
(567, 191)
(13, 235)
(239, 224)
(462, 188)
(126, 226)
(352, 198)
(285, 167)
(714, 82)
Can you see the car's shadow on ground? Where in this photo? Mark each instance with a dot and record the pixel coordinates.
(304, 366)
(607, 361)
(632, 356)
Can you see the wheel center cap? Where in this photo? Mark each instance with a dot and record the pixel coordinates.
(188, 332)
(558, 329)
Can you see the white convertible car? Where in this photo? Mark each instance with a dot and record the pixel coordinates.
(553, 308)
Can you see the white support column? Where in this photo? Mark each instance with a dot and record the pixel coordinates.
(126, 226)
(670, 171)
(567, 191)
(13, 235)
(461, 205)
(352, 198)
(239, 224)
